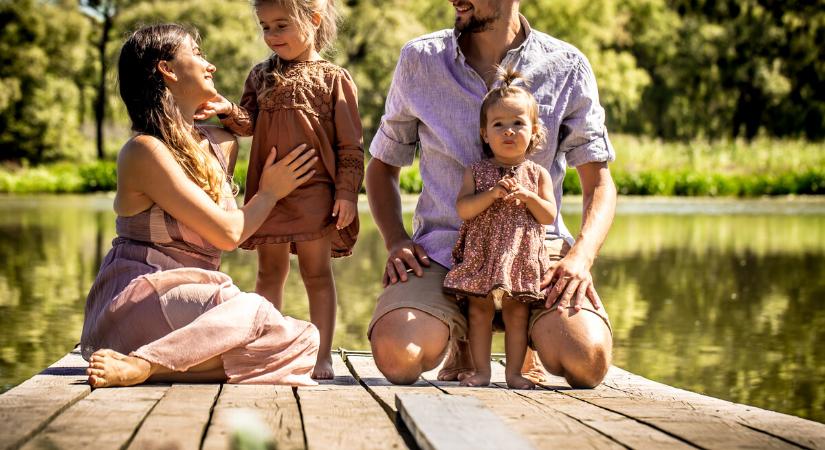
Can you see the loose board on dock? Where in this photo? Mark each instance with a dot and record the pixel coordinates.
(361, 409)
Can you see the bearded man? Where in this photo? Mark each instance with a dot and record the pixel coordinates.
(433, 105)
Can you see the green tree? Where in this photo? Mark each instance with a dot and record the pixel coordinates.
(41, 95)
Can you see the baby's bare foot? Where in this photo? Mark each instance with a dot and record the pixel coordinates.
(476, 379)
(108, 368)
(517, 381)
(323, 368)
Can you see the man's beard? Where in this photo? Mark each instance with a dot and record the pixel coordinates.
(478, 24)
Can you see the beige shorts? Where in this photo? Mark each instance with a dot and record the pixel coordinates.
(426, 294)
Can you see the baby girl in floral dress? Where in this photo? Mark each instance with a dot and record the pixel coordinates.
(500, 257)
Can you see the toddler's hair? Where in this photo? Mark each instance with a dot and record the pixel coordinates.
(301, 12)
(506, 88)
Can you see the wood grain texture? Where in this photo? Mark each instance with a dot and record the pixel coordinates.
(105, 419)
(179, 419)
(28, 408)
(448, 421)
(792, 429)
(365, 370)
(340, 414)
(245, 407)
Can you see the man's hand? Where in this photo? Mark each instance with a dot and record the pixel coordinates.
(404, 257)
(571, 281)
(215, 105)
(345, 211)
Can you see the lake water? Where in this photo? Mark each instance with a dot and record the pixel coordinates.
(722, 297)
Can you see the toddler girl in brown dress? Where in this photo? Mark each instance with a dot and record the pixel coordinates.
(499, 258)
(292, 98)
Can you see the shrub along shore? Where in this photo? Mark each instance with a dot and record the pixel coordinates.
(643, 167)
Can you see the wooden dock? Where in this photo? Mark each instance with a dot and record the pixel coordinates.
(360, 409)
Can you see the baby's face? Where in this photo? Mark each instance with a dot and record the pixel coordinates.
(509, 129)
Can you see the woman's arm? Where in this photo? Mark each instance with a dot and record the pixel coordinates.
(148, 173)
(469, 204)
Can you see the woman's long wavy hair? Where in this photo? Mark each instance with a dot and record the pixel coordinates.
(507, 78)
(152, 108)
(301, 12)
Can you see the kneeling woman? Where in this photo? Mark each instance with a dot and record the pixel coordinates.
(159, 309)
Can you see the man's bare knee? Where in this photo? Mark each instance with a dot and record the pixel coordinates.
(407, 342)
(587, 369)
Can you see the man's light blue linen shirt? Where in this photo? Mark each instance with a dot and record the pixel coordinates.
(433, 105)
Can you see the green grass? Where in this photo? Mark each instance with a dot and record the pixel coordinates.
(643, 166)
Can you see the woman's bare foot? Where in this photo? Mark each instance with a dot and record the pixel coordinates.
(476, 379)
(516, 381)
(459, 363)
(323, 368)
(108, 368)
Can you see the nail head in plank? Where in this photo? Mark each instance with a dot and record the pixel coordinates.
(447, 421)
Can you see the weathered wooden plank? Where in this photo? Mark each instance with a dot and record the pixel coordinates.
(179, 419)
(668, 412)
(105, 419)
(792, 429)
(364, 369)
(240, 406)
(27, 408)
(449, 421)
(342, 414)
(621, 429)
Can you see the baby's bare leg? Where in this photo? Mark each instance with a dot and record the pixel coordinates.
(316, 271)
(480, 333)
(273, 269)
(515, 315)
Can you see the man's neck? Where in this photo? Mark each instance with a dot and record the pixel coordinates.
(486, 49)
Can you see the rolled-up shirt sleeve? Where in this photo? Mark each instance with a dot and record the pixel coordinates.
(397, 136)
(583, 135)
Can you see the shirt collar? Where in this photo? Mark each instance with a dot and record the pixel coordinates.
(528, 33)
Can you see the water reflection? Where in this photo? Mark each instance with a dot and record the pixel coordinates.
(727, 305)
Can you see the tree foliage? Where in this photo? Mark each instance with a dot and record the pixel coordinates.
(674, 69)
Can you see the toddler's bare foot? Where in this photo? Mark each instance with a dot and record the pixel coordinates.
(459, 363)
(109, 368)
(323, 368)
(476, 379)
(517, 381)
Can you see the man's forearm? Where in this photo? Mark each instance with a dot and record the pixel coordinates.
(384, 198)
(598, 209)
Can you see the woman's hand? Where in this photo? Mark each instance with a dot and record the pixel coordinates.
(345, 211)
(293, 170)
(215, 105)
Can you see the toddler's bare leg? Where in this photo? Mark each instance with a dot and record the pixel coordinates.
(316, 271)
(273, 268)
(480, 332)
(515, 315)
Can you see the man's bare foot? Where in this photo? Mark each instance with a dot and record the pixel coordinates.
(517, 381)
(459, 363)
(532, 368)
(108, 368)
(476, 379)
(323, 368)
